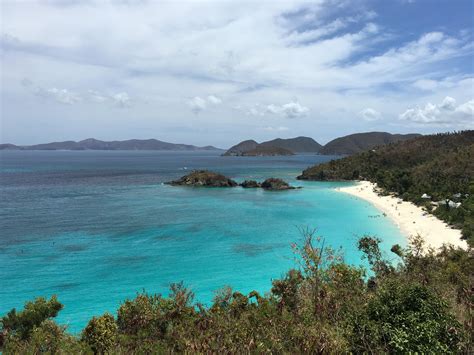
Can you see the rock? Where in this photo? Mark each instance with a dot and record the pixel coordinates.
(274, 184)
(204, 178)
(250, 184)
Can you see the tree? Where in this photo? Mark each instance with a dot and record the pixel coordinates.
(21, 324)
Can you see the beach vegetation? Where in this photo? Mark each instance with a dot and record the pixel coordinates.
(440, 166)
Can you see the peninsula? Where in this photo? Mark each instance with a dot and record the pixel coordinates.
(434, 173)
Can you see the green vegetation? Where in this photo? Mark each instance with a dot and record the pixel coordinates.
(421, 304)
(441, 166)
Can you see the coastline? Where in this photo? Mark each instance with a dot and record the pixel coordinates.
(409, 218)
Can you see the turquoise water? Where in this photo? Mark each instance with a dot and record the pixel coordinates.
(97, 227)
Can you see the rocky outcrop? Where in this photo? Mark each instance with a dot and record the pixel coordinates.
(274, 184)
(204, 178)
(250, 184)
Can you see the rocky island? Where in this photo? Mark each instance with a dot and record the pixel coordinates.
(250, 184)
(205, 178)
(276, 185)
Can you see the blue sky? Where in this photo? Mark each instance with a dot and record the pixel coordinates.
(219, 72)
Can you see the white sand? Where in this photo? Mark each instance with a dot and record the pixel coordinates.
(411, 219)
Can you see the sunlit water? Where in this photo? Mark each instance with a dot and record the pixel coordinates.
(97, 227)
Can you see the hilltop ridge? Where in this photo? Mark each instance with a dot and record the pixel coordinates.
(358, 142)
(276, 146)
(346, 145)
(95, 144)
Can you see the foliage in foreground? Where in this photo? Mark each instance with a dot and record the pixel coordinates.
(423, 304)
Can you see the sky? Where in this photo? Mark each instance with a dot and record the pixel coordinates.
(218, 72)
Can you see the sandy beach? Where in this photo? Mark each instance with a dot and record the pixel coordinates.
(411, 219)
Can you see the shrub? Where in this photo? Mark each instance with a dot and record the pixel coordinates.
(405, 318)
(100, 334)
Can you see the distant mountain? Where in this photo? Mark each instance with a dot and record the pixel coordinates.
(95, 144)
(295, 145)
(356, 143)
(9, 146)
(242, 147)
(261, 150)
(277, 146)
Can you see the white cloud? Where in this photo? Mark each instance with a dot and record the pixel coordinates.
(448, 104)
(255, 111)
(445, 113)
(369, 114)
(62, 96)
(425, 84)
(197, 104)
(68, 97)
(292, 109)
(121, 99)
(97, 97)
(276, 129)
(214, 100)
(466, 109)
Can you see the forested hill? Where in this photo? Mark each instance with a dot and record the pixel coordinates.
(277, 146)
(441, 166)
(358, 142)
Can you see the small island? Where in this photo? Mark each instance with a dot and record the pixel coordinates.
(274, 184)
(205, 178)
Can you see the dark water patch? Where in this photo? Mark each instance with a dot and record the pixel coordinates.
(167, 237)
(73, 248)
(230, 233)
(51, 257)
(127, 260)
(252, 250)
(194, 228)
(22, 253)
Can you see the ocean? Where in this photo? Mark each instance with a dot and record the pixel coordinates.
(96, 227)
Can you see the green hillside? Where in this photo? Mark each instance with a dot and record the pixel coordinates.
(441, 166)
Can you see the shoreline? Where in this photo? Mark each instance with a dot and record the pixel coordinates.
(409, 218)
